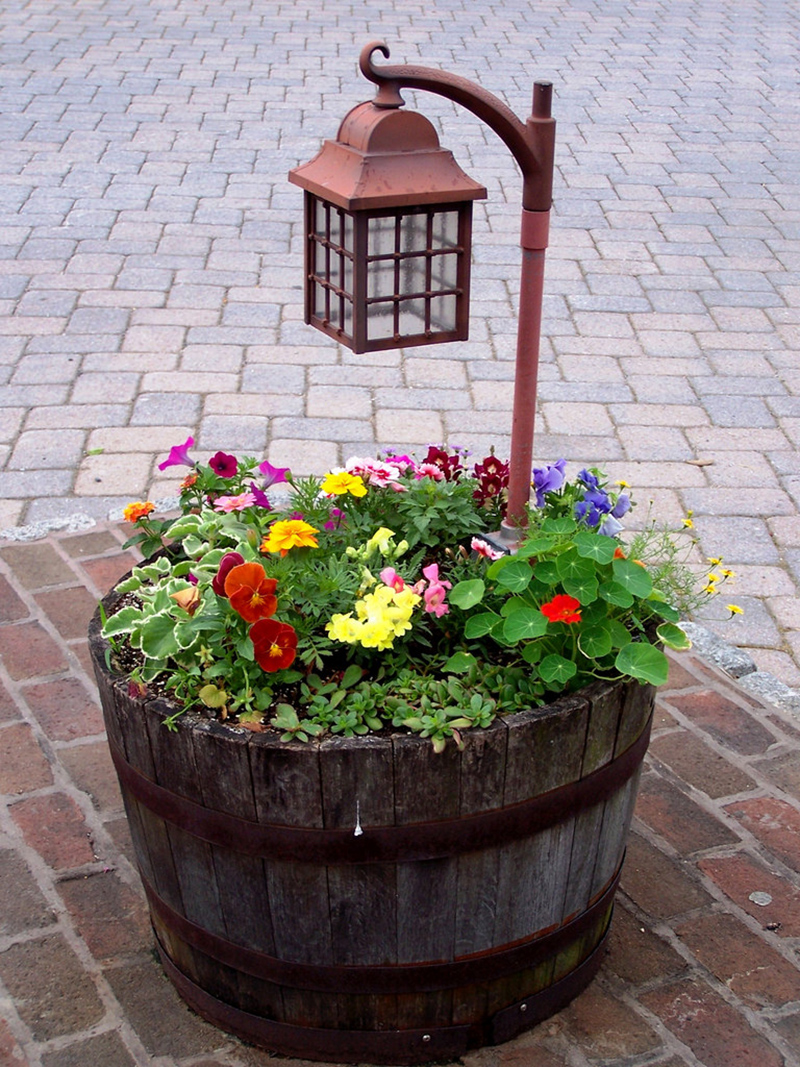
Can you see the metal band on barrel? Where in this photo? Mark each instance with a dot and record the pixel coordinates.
(385, 844)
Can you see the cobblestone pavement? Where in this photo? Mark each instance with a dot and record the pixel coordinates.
(703, 967)
(151, 257)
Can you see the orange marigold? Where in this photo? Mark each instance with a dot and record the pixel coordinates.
(289, 533)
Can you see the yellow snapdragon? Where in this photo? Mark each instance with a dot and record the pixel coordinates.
(382, 615)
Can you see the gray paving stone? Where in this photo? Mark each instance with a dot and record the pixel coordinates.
(151, 246)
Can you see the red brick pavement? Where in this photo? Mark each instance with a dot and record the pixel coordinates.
(698, 973)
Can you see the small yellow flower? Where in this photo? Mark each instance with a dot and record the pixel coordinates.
(138, 510)
(623, 484)
(336, 484)
(734, 609)
(715, 561)
(380, 540)
(289, 533)
(727, 574)
(687, 522)
(712, 578)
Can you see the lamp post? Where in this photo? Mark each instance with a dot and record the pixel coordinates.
(388, 232)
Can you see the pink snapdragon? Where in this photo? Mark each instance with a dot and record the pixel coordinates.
(390, 577)
(436, 594)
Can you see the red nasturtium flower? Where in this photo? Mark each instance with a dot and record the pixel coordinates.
(274, 644)
(251, 592)
(562, 608)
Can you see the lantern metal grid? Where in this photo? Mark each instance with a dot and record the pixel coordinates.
(381, 278)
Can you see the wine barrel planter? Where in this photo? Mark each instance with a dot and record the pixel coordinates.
(364, 899)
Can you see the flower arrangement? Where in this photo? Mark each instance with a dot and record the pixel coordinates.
(374, 599)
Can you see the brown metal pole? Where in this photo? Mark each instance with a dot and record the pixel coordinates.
(534, 233)
(533, 238)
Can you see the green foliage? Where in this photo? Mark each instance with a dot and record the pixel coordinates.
(393, 622)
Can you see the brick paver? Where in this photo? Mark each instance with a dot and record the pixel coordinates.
(151, 276)
(702, 963)
(150, 288)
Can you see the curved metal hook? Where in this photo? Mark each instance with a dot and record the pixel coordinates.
(388, 94)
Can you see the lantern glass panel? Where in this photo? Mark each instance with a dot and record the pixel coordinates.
(444, 272)
(380, 321)
(445, 229)
(443, 313)
(414, 233)
(382, 235)
(412, 317)
(413, 273)
(381, 278)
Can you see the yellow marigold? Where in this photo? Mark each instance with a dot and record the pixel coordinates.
(289, 533)
(138, 510)
(336, 484)
(734, 609)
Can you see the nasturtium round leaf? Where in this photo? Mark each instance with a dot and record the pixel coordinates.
(595, 642)
(516, 576)
(534, 545)
(662, 606)
(620, 634)
(546, 572)
(633, 577)
(460, 663)
(523, 625)
(616, 594)
(467, 594)
(561, 527)
(480, 625)
(571, 565)
(642, 661)
(583, 588)
(673, 637)
(596, 546)
(555, 668)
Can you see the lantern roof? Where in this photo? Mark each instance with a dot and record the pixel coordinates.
(385, 157)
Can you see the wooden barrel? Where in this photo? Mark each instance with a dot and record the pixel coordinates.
(366, 900)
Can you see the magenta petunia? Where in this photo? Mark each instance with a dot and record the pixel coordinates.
(179, 456)
(224, 465)
(273, 475)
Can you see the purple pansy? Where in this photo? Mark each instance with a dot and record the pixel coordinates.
(179, 456)
(548, 480)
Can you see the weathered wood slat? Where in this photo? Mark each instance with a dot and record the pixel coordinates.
(605, 708)
(456, 909)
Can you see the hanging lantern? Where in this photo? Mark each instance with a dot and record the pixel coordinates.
(388, 227)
